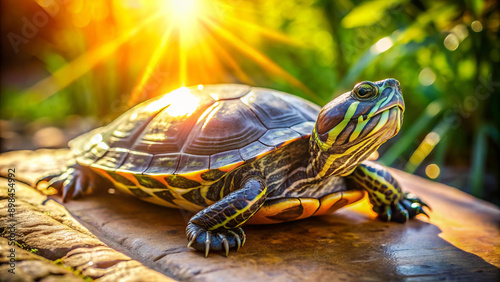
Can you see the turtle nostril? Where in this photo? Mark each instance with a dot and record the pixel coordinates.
(398, 85)
(393, 82)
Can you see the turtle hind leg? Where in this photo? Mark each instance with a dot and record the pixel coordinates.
(76, 181)
(217, 227)
(385, 194)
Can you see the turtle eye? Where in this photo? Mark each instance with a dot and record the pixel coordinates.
(365, 91)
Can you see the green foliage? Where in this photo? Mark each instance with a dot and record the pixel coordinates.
(77, 272)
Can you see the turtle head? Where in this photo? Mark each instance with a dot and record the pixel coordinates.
(355, 124)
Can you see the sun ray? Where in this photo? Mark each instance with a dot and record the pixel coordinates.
(150, 67)
(258, 57)
(81, 65)
(191, 43)
(208, 64)
(277, 36)
(226, 57)
(182, 59)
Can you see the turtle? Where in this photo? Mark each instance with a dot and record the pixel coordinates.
(235, 154)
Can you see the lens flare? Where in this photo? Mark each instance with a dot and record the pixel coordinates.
(166, 44)
(182, 102)
(180, 9)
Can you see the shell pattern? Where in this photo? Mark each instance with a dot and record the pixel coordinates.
(196, 129)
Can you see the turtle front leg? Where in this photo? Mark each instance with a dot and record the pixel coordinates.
(76, 181)
(218, 226)
(385, 194)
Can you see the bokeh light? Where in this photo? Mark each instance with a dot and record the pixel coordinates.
(451, 42)
(476, 26)
(426, 77)
(432, 171)
(383, 45)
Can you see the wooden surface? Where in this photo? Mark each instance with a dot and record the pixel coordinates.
(124, 237)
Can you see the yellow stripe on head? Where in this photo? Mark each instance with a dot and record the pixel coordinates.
(334, 133)
(354, 125)
(381, 123)
(359, 127)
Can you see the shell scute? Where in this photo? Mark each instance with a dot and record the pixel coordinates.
(254, 149)
(275, 137)
(228, 92)
(189, 163)
(229, 125)
(139, 193)
(112, 159)
(285, 209)
(272, 111)
(166, 195)
(120, 178)
(164, 164)
(304, 128)
(149, 182)
(225, 158)
(194, 196)
(136, 162)
(192, 130)
(169, 130)
(181, 182)
(212, 175)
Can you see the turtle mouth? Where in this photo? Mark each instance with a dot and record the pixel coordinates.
(391, 122)
(395, 103)
(395, 117)
(399, 106)
(396, 106)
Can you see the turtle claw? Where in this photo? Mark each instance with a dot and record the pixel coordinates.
(384, 213)
(54, 180)
(400, 214)
(244, 236)
(192, 237)
(68, 189)
(51, 179)
(404, 210)
(226, 244)
(414, 206)
(239, 238)
(73, 183)
(413, 198)
(214, 240)
(208, 241)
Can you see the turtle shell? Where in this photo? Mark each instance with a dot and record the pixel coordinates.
(197, 128)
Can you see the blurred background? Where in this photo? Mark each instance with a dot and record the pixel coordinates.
(71, 65)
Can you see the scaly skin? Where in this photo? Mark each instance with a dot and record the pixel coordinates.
(385, 194)
(222, 221)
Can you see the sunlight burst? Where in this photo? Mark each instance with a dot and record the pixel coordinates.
(181, 42)
(180, 10)
(182, 102)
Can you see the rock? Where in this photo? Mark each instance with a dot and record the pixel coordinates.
(459, 242)
(30, 165)
(48, 229)
(32, 267)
